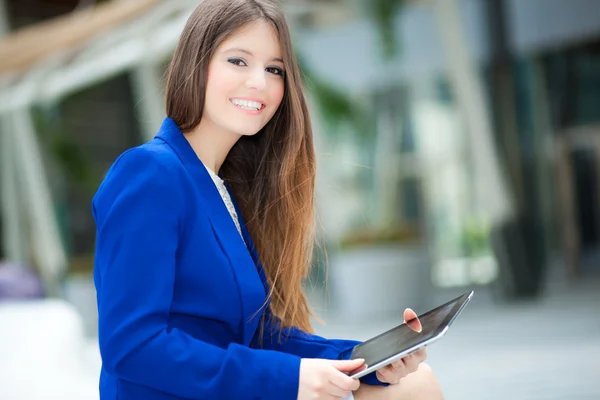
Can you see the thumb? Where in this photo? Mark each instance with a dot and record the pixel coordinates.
(409, 314)
(347, 365)
(412, 320)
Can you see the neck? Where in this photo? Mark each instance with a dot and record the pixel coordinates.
(211, 145)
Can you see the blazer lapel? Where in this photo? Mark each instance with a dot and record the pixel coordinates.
(250, 245)
(240, 258)
(253, 324)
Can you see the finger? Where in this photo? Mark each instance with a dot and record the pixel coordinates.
(411, 364)
(347, 365)
(421, 354)
(343, 381)
(359, 369)
(336, 392)
(385, 375)
(398, 370)
(397, 365)
(380, 376)
(412, 320)
(409, 314)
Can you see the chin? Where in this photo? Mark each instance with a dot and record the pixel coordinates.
(242, 126)
(245, 131)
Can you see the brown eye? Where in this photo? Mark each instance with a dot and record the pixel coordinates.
(237, 61)
(275, 70)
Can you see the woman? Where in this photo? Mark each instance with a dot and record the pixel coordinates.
(200, 297)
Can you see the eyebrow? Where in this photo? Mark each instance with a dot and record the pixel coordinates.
(250, 53)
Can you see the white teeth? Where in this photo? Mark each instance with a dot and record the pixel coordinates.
(250, 105)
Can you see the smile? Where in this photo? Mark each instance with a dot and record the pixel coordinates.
(248, 104)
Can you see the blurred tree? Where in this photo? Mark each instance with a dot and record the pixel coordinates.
(371, 126)
(336, 104)
(383, 14)
(69, 156)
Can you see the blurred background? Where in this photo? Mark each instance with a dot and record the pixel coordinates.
(458, 144)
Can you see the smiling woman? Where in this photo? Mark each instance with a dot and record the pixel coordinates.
(246, 71)
(204, 234)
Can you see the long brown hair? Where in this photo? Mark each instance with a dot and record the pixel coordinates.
(271, 174)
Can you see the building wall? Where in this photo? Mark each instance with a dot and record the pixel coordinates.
(348, 55)
(93, 126)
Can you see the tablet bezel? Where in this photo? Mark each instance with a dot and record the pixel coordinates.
(461, 301)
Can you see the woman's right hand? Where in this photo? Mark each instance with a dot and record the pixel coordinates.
(327, 379)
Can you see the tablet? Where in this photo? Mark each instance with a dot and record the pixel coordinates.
(402, 340)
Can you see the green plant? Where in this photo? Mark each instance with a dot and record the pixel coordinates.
(475, 237)
(337, 108)
(64, 151)
(336, 105)
(382, 13)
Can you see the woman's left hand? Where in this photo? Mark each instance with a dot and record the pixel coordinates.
(399, 369)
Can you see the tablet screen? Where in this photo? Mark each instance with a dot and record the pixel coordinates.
(402, 337)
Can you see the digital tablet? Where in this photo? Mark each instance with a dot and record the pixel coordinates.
(402, 340)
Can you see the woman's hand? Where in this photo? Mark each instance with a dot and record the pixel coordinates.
(327, 379)
(399, 369)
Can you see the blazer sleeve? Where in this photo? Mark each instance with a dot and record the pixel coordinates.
(306, 345)
(136, 211)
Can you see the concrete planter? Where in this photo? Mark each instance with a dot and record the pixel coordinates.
(379, 280)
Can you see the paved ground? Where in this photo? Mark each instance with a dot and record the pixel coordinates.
(544, 350)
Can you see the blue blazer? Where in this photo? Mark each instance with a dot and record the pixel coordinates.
(179, 293)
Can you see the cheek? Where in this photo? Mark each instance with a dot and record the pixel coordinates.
(219, 84)
(277, 93)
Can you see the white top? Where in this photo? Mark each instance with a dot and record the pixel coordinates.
(226, 199)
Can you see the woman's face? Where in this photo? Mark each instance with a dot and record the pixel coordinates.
(245, 81)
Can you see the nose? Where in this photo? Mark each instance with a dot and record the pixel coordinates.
(257, 79)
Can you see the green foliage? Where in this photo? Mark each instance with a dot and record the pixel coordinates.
(73, 162)
(383, 13)
(475, 237)
(338, 109)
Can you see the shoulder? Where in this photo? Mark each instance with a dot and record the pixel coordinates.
(155, 160)
(151, 167)
(146, 159)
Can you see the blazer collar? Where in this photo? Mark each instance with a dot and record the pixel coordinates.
(172, 135)
(241, 258)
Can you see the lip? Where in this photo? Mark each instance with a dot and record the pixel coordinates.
(250, 99)
(249, 112)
